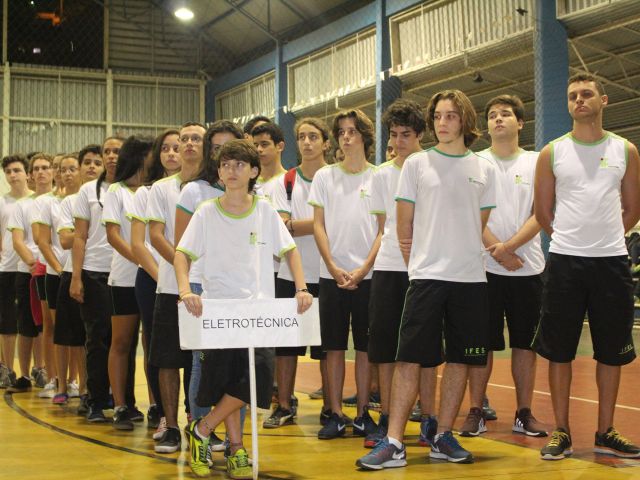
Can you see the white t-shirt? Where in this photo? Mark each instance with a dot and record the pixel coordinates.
(192, 195)
(383, 191)
(588, 215)
(237, 250)
(8, 257)
(514, 194)
(346, 200)
(267, 190)
(117, 202)
(21, 220)
(47, 216)
(65, 222)
(448, 192)
(98, 252)
(298, 208)
(161, 208)
(138, 211)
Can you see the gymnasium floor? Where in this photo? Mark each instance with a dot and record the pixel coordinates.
(45, 442)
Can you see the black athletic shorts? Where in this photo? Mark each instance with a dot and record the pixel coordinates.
(460, 310)
(123, 301)
(51, 285)
(8, 311)
(339, 308)
(518, 300)
(602, 288)
(26, 327)
(69, 328)
(41, 287)
(388, 291)
(165, 349)
(287, 289)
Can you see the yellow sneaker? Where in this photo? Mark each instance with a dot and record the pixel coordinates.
(198, 449)
(238, 466)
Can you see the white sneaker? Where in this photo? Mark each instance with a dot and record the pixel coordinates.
(73, 390)
(49, 390)
(162, 427)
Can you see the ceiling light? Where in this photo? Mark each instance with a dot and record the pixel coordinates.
(184, 14)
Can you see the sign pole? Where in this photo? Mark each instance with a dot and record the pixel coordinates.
(254, 411)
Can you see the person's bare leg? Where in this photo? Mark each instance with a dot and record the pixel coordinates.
(122, 332)
(25, 346)
(335, 384)
(324, 374)
(608, 381)
(62, 366)
(145, 346)
(286, 375)
(363, 380)
(227, 406)
(428, 383)
(454, 383)
(8, 350)
(38, 354)
(169, 379)
(374, 385)
(47, 340)
(478, 379)
(78, 357)
(404, 389)
(385, 379)
(560, 386)
(523, 371)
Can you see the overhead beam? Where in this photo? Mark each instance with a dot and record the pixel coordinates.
(253, 19)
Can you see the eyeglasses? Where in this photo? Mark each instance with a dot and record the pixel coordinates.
(167, 148)
(195, 139)
(233, 165)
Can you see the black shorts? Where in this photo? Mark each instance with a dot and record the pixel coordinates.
(51, 285)
(165, 349)
(339, 307)
(69, 328)
(287, 289)
(123, 301)
(600, 287)
(8, 311)
(41, 288)
(460, 309)
(388, 291)
(26, 327)
(518, 300)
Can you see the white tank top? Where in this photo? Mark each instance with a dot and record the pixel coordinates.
(588, 217)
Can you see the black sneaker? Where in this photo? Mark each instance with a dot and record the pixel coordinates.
(374, 438)
(489, 413)
(122, 419)
(96, 415)
(294, 405)
(170, 441)
(325, 415)
(364, 425)
(374, 400)
(612, 443)
(416, 413)
(351, 401)
(474, 424)
(558, 447)
(525, 422)
(279, 418)
(153, 417)
(334, 428)
(23, 384)
(135, 415)
(83, 408)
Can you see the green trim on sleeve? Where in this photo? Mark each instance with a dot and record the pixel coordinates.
(132, 217)
(154, 219)
(110, 220)
(283, 252)
(489, 207)
(400, 199)
(284, 211)
(40, 222)
(82, 218)
(314, 204)
(186, 210)
(11, 228)
(188, 253)
(60, 229)
(378, 212)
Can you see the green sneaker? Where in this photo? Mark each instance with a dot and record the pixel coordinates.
(198, 449)
(238, 465)
(558, 447)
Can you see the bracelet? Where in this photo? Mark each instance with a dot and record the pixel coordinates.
(182, 295)
(298, 290)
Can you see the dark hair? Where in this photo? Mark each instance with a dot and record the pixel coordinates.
(405, 113)
(93, 148)
(103, 175)
(363, 125)
(512, 100)
(192, 124)
(465, 108)
(248, 127)
(317, 123)
(273, 130)
(39, 156)
(209, 169)
(241, 150)
(132, 155)
(587, 77)
(156, 171)
(9, 159)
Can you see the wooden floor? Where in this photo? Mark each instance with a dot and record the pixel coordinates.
(41, 441)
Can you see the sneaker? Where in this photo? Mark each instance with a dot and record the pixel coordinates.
(60, 399)
(384, 455)
(34, 372)
(22, 384)
(612, 443)
(153, 417)
(83, 408)
(489, 413)
(294, 405)
(238, 466)
(162, 427)
(325, 415)
(364, 425)
(4, 376)
(41, 379)
(49, 390)
(446, 447)
(279, 418)
(96, 415)
(170, 441)
(198, 452)
(317, 395)
(428, 429)
(374, 400)
(416, 413)
(122, 419)
(558, 447)
(8, 379)
(73, 389)
(526, 423)
(135, 415)
(334, 428)
(474, 424)
(216, 444)
(374, 438)
(351, 401)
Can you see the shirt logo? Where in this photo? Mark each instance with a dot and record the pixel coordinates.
(253, 239)
(364, 193)
(604, 163)
(520, 180)
(476, 181)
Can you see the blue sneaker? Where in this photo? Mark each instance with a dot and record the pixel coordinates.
(385, 455)
(446, 447)
(428, 429)
(374, 438)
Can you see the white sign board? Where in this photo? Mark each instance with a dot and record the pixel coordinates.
(268, 322)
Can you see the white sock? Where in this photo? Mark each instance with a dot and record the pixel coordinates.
(202, 437)
(395, 442)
